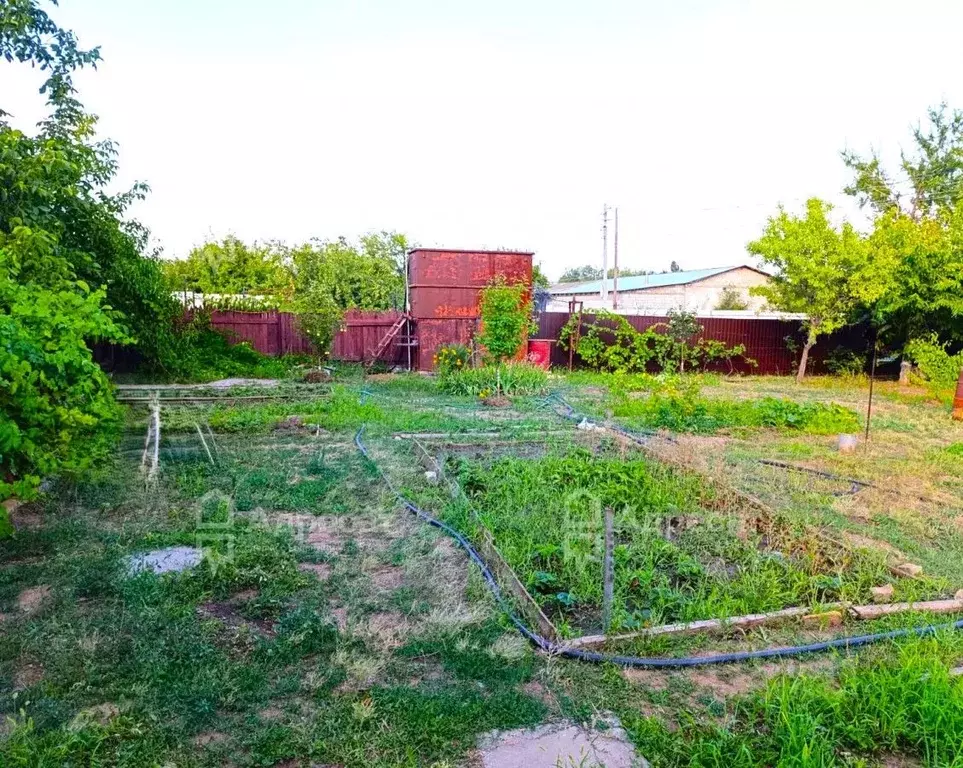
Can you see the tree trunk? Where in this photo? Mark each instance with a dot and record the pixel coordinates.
(804, 358)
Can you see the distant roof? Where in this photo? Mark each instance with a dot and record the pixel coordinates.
(641, 282)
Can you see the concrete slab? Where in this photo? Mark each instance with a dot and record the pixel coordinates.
(169, 560)
(560, 745)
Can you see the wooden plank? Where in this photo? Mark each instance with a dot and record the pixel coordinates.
(704, 626)
(506, 576)
(868, 612)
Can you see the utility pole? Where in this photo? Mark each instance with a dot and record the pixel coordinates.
(605, 252)
(615, 271)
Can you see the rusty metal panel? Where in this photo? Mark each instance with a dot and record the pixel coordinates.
(433, 334)
(445, 303)
(466, 269)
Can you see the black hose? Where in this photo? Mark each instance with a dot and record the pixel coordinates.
(855, 486)
(551, 647)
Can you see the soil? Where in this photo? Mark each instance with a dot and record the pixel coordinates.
(33, 598)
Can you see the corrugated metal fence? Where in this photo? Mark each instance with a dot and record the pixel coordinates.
(276, 333)
(765, 340)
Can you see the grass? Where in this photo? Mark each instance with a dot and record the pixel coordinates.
(675, 560)
(329, 627)
(701, 415)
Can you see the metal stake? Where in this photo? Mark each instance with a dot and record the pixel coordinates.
(608, 569)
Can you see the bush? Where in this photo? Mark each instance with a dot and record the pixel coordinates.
(506, 379)
(505, 316)
(845, 362)
(451, 358)
(936, 365)
(687, 413)
(57, 411)
(611, 343)
(206, 355)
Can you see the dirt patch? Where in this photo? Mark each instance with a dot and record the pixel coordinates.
(210, 738)
(32, 599)
(650, 679)
(271, 714)
(340, 616)
(549, 746)
(388, 578)
(27, 675)
(321, 570)
(26, 517)
(496, 401)
(228, 615)
(724, 684)
(867, 542)
(386, 629)
(538, 691)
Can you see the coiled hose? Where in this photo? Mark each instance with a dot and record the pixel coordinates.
(557, 649)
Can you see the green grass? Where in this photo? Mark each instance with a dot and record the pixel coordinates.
(546, 517)
(901, 701)
(297, 643)
(688, 413)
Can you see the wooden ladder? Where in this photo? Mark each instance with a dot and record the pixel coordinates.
(386, 340)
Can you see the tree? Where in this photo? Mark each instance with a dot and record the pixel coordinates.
(231, 267)
(506, 312)
(917, 232)
(820, 270)
(919, 263)
(57, 412)
(930, 176)
(674, 267)
(581, 274)
(539, 279)
(731, 299)
(332, 276)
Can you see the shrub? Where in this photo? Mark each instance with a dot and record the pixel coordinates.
(207, 355)
(505, 316)
(845, 362)
(730, 299)
(611, 343)
(451, 358)
(689, 413)
(508, 379)
(57, 411)
(936, 365)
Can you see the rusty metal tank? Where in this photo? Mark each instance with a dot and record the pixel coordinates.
(445, 286)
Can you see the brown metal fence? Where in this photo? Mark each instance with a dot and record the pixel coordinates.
(276, 333)
(765, 340)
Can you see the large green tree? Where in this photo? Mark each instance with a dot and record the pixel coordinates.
(819, 269)
(916, 242)
(231, 267)
(929, 177)
(335, 275)
(63, 251)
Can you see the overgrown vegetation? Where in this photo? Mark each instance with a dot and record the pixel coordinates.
(936, 366)
(519, 378)
(609, 342)
(902, 701)
(686, 412)
(674, 560)
(505, 310)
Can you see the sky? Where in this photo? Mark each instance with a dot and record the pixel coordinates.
(501, 124)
